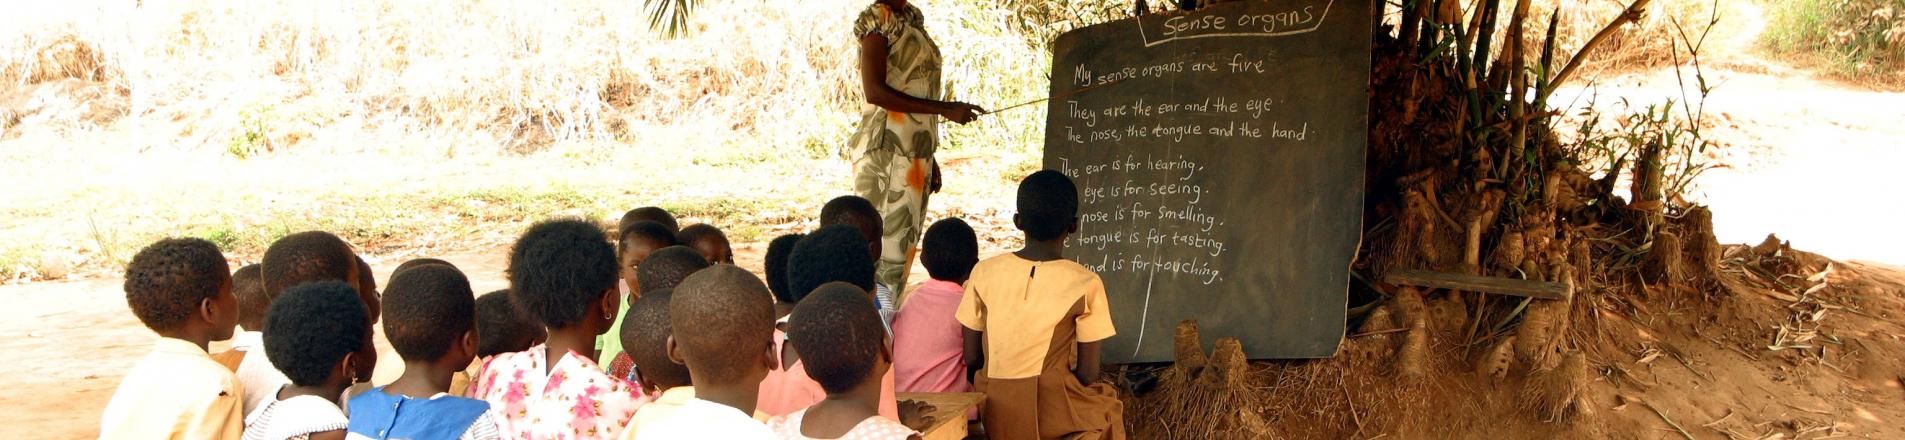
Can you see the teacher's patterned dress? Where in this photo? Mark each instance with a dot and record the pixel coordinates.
(893, 152)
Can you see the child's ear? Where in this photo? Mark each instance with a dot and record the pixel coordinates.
(1073, 227)
(469, 343)
(611, 300)
(208, 311)
(770, 359)
(347, 368)
(1018, 222)
(674, 352)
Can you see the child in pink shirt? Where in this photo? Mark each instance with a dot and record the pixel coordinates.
(927, 341)
(832, 254)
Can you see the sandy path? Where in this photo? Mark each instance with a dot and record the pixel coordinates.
(1816, 162)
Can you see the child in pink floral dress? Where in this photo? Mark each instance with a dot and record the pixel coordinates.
(563, 273)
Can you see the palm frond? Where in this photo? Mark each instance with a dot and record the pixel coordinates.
(670, 16)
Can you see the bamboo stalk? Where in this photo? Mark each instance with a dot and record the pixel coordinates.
(1411, 21)
(1633, 13)
(1485, 40)
(1517, 85)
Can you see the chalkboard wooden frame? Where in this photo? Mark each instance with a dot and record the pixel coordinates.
(1220, 159)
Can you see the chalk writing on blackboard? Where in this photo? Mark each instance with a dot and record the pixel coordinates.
(1219, 170)
(1291, 20)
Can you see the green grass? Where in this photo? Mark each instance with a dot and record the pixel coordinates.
(1857, 40)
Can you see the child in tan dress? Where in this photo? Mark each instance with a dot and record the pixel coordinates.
(1039, 318)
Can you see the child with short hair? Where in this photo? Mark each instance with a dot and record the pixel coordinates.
(646, 338)
(774, 266)
(562, 272)
(180, 289)
(316, 335)
(1030, 316)
(647, 214)
(708, 239)
(927, 341)
(831, 254)
(726, 355)
(501, 327)
(249, 287)
(890, 266)
(847, 353)
(429, 318)
(419, 262)
(636, 243)
(664, 269)
(391, 365)
(296, 259)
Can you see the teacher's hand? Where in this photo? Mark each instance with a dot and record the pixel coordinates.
(961, 113)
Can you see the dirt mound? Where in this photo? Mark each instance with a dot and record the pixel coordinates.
(1665, 332)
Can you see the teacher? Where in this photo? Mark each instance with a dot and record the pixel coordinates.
(893, 149)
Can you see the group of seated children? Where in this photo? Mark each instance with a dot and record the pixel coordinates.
(656, 336)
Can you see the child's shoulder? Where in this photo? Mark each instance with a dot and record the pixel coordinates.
(1011, 263)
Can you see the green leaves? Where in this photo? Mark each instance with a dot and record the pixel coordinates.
(670, 16)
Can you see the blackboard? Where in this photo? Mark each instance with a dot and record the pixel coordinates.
(1219, 158)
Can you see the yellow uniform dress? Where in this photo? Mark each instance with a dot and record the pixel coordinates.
(176, 392)
(1034, 315)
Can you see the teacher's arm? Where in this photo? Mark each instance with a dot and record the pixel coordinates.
(873, 82)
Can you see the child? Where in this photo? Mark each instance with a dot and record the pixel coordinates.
(663, 270)
(249, 287)
(726, 355)
(709, 240)
(847, 353)
(430, 321)
(417, 262)
(646, 337)
(296, 259)
(501, 327)
(891, 269)
(1037, 314)
(632, 249)
(927, 341)
(648, 214)
(315, 334)
(367, 289)
(775, 267)
(831, 254)
(562, 272)
(180, 289)
(390, 365)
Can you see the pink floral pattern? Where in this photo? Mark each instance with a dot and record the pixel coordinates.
(575, 400)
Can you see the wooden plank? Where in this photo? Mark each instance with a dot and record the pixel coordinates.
(949, 413)
(1473, 283)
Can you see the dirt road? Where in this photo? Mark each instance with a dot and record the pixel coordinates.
(1815, 161)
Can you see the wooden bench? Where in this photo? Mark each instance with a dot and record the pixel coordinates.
(949, 413)
(1475, 283)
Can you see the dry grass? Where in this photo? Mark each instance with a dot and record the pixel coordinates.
(1639, 46)
(257, 77)
(115, 118)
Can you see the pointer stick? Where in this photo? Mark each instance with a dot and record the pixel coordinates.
(1059, 96)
